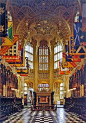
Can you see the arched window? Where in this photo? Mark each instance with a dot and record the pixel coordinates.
(57, 54)
(29, 54)
(43, 57)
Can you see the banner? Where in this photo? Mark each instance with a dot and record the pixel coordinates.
(9, 38)
(1, 41)
(4, 49)
(2, 20)
(81, 50)
(23, 71)
(68, 64)
(70, 58)
(64, 71)
(12, 57)
(19, 64)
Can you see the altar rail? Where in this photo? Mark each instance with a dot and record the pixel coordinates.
(46, 108)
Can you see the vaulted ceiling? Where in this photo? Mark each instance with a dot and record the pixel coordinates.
(38, 20)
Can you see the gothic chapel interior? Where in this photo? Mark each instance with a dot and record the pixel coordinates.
(42, 61)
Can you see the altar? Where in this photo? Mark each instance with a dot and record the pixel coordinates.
(43, 99)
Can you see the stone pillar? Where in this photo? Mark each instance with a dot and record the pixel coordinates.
(36, 67)
(51, 67)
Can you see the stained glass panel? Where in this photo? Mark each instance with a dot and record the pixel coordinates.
(60, 48)
(58, 64)
(43, 57)
(43, 52)
(40, 51)
(43, 66)
(55, 57)
(40, 66)
(60, 54)
(46, 59)
(55, 50)
(46, 51)
(55, 65)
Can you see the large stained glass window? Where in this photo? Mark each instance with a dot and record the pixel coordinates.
(29, 54)
(43, 57)
(57, 55)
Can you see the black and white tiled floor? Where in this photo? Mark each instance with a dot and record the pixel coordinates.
(59, 116)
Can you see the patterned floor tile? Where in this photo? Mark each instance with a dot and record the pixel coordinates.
(28, 116)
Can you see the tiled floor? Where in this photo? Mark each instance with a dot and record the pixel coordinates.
(60, 116)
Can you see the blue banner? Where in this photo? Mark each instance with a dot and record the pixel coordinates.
(3, 20)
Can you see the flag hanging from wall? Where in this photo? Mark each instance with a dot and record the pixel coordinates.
(14, 53)
(68, 64)
(4, 49)
(19, 64)
(64, 71)
(71, 58)
(9, 38)
(23, 71)
(3, 20)
(81, 50)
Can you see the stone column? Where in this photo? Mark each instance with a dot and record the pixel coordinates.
(51, 67)
(36, 67)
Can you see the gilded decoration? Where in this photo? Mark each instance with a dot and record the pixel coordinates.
(49, 18)
(37, 20)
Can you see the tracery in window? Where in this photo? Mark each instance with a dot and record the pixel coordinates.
(29, 54)
(43, 57)
(57, 54)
